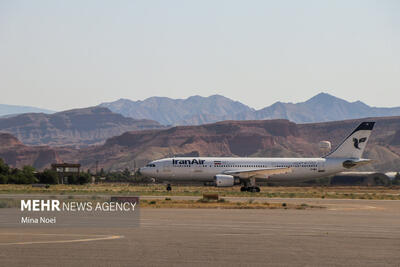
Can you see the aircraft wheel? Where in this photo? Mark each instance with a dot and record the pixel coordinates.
(252, 189)
(243, 189)
(169, 188)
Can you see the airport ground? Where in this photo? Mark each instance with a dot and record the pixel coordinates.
(345, 232)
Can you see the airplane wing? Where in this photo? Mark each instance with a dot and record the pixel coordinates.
(258, 173)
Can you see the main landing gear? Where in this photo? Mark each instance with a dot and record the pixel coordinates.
(251, 186)
(252, 189)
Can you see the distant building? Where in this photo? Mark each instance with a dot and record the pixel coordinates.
(65, 169)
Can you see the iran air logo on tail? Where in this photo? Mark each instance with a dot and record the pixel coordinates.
(357, 142)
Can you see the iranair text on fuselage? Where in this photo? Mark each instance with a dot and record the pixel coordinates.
(188, 162)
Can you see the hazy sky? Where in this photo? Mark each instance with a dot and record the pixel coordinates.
(66, 54)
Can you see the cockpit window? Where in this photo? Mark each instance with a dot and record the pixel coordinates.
(150, 165)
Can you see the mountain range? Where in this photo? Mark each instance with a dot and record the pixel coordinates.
(10, 110)
(194, 110)
(198, 110)
(94, 125)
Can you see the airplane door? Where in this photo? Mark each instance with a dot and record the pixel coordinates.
(321, 166)
(166, 169)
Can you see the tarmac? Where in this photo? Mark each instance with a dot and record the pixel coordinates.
(344, 233)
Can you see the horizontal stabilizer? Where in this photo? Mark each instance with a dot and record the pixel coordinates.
(355, 163)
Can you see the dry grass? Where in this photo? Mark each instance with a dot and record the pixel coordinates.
(188, 204)
(221, 204)
(345, 192)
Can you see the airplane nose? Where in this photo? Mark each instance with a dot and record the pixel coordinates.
(143, 171)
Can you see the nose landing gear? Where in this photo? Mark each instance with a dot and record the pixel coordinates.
(169, 188)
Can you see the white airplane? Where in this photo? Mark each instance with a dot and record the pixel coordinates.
(224, 171)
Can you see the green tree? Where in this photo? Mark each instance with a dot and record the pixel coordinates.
(72, 179)
(17, 177)
(396, 180)
(28, 172)
(3, 179)
(84, 178)
(4, 168)
(48, 177)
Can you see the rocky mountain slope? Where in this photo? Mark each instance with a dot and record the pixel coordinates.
(78, 127)
(198, 110)
(266, 138)
(18, 155)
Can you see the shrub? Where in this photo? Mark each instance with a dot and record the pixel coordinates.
(4, 169)
(84, 178)
(48, 177)
(28, 172)
(3, 179)
(396, 180)
(72, 179)
(24, 176)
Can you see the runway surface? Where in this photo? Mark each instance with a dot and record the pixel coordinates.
(345, 233)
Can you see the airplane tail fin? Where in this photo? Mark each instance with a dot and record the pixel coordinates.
(353, 146)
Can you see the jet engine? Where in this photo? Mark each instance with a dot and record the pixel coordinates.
(224, 180)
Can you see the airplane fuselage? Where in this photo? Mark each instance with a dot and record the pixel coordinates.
(205, 169)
